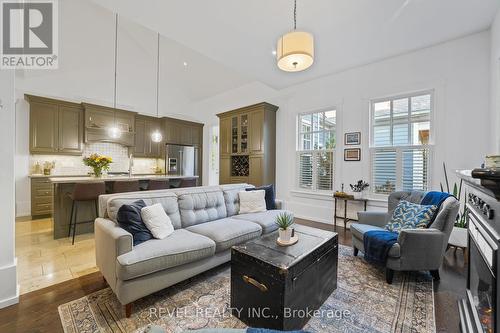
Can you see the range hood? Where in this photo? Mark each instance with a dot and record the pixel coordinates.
(98, 119)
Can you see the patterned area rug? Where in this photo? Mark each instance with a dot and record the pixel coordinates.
(362, 302)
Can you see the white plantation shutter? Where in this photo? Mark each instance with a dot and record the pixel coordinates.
(316, 136)
(400, 137)
(324, 167)
(305, 170)
(414, 169)
(384, 164)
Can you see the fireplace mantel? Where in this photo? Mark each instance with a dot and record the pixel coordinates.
(485, 180)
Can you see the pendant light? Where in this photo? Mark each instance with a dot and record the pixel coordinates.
(295, 50)
(114, 132)
(156, 135)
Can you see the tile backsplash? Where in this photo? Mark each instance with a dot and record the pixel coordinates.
(73, 165)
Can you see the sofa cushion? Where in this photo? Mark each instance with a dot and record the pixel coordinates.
(200, 205)
(358, 230)
(181, 247)
(166, 198)
(232, 198)
(129, 218)
(270, 196)
(227, 232)
(252, 201)
(267, 220)
(408, 215)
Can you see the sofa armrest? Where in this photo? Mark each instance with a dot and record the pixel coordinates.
(421, 249)
(378, 219)
(279, 204)
(110, 242)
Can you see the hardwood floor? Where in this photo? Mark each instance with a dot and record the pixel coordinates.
(37, 311)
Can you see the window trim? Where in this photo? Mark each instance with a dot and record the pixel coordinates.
(314, 152)
(409, 95)
(400, 148)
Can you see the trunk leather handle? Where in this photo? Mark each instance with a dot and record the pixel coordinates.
(255, 283)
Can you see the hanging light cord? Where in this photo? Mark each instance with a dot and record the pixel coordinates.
(157, 74)
(295, 15)
(116, 57)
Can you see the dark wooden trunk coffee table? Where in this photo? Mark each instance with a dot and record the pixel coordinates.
(280, 287)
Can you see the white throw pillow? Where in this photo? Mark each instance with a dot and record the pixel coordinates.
(252, 201)
(157, 221)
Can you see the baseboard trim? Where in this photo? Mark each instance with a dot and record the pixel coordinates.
(314, 219)
(8, 276)
(10, 301)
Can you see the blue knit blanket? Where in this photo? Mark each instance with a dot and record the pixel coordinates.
(377, 244)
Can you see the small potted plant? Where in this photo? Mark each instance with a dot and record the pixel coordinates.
(358, 188)
(98, 163)
(284, 222)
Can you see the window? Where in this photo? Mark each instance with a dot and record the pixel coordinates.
(400, 137)
(315, 150)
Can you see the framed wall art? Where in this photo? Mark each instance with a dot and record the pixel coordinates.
(352, 154)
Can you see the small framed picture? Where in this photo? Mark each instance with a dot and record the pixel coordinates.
(352, 139)
(352, 154)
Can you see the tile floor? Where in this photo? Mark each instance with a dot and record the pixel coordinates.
(43, 261)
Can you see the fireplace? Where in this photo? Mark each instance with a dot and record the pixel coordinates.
(479, 311)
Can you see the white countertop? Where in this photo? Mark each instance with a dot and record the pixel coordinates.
(88, 179)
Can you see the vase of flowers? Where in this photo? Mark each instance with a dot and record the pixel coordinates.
(98, 163)
(284, 222)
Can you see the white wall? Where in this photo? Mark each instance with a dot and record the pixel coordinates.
(9, 291)
(495, 84)
(458, 71)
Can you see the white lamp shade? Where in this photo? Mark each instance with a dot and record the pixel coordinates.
(295, 51)
(156, 136)
(114, 132)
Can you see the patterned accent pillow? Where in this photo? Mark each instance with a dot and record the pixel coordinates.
(408, 215)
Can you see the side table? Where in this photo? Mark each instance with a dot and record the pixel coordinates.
(346, 219)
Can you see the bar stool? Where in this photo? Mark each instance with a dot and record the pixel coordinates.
(83, 192)
(122, 186)
(191, 182)
(158, 184)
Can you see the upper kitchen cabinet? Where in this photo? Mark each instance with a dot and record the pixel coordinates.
(144, 145)
(183, 132)
(56, 127)
(98, 120)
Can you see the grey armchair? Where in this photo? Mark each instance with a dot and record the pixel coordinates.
(415, 249)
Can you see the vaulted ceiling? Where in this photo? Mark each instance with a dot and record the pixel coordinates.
(241, 35)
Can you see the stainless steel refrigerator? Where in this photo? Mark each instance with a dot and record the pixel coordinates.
(181, 160)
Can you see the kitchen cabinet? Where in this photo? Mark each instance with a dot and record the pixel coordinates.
(247, 145)
(56, 127)
(144, 146)
(98, 120)
(41, 197)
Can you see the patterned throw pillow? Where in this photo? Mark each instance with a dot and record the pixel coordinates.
(408, 215)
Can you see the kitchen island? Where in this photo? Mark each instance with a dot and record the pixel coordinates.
(63, 187)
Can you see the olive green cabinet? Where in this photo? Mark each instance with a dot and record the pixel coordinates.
(98, 120)
(56, 127)
(144, 145)
(41, 197)
(247, 145)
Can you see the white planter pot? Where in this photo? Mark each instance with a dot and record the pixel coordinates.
(357, 195)
(458, 237)
(285, 234)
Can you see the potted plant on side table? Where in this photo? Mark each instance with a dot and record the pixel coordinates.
(358, 188)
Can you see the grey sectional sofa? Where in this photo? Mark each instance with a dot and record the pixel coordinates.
(206, 223)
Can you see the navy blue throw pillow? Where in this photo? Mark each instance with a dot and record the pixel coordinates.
(129, 218)
(269, 196)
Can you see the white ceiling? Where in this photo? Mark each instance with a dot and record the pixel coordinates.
(241, 35)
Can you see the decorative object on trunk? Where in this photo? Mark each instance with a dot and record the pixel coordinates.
(98, 163)
(352, 139)
(284, 222)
